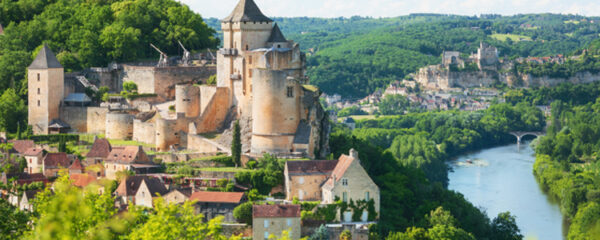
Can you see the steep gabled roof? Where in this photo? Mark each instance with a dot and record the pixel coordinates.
(217, 197)
(132, 184)
(45, 59)
(56, 160)
(100, 149)
(155, 186)
(76, 165)
(276, 35)
(21, 146)
(127, 155)
(30, 194)
(246, 11)
(33, 151)
(82, 180)
(275, 211)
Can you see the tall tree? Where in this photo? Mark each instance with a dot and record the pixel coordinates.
(236, 144)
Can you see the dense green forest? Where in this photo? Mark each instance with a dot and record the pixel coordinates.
(355, 56)
(93, 33)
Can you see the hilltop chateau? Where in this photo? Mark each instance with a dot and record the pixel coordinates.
(261, 83)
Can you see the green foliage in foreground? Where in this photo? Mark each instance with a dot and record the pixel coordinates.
(13, 223)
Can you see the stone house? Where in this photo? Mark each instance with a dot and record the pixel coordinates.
(149, 189)
(270, 220)
(26, 203)
(99, 152)
(139, 190)
(34, 157)
(178, 196)
(213, 204)
(303, 179)
(126, 159)
(54, 162)
(349, 181)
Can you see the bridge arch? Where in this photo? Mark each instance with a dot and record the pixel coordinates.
(520, 135)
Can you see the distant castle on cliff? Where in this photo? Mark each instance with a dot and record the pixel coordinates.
(260, 81)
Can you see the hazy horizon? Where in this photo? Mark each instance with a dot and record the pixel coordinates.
(394, 8)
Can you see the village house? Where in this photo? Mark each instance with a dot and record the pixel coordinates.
(139, 190)
(129, 158)
(23, 178)
(34, 157)
(54, 162)
(178, 196)
(99, 152)
(213, 204)
(350, 181)
(26, 203)
(303, 179)
(270, 220)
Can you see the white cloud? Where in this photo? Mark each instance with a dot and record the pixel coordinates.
(391, 8)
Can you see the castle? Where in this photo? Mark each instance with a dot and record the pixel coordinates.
(260, 82)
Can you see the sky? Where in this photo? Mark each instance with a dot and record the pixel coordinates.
(393, 8)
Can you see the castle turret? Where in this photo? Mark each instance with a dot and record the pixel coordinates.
(46, 90)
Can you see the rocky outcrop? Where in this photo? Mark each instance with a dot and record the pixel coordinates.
(438, 77)
(545, 81)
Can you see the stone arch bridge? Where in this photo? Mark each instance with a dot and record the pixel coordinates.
(520, 135)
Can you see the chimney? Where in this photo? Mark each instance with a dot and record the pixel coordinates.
(354, 153)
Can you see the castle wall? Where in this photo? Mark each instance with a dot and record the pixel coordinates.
(143, 76)
(187, 100)
(216, 111)
(206, 95)
(45, 96)
(119, 125)
(201, 144)
(276, 115)
(144, 132)
(85, 119)
(253, 35)
(436, 77)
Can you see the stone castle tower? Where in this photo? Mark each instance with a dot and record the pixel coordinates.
(265, 73)
(45, 77)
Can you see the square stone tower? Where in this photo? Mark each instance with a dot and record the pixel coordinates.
(45, 78)
(244, 30)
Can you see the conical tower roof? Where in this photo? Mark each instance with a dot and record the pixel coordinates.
(246, 11)
(276, 35)
(45, 59)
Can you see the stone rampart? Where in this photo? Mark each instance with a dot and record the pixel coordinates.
(85, 119)
(144, 132)
(119, 125)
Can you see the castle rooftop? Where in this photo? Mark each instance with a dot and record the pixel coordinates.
(45, 59)
(276, 35)
(246, 11)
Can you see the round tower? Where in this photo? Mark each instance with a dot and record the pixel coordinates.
(119, 125)
(275, 111)
(187, 100)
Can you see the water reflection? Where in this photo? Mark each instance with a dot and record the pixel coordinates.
(501, 179)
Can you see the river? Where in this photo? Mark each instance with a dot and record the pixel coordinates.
(501, 179)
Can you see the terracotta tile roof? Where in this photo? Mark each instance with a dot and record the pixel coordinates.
(217, 197)
(128, 154)
(314, 166)
(23, 178)
(343, 164)
(56, 160)
(82, 180)
(33, 151)
(76, 165)
(275, 211)
(21, 146)
(100, 149)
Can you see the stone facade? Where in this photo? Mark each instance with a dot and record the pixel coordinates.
(270, 220)
(350, 181)
(46, 90)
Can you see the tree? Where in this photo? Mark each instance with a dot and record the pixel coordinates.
(236, 144)
(13, 223)
(172, 221)
(212, 80)
(320, 234)
(504, 227)
(19, 131)
(346, 235)
(393, 104)
(12, 110)
(62, 144)
(243, 213)
(130, 87)
(439, 216)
